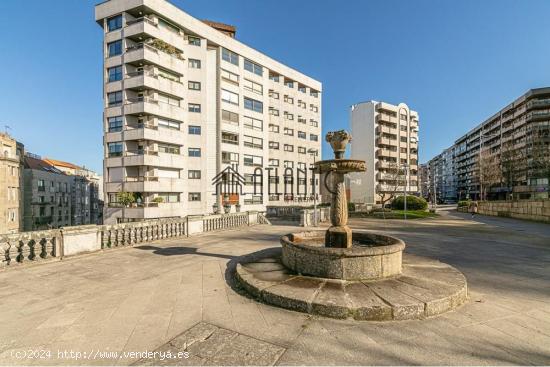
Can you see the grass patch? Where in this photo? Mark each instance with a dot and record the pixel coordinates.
(395, 214)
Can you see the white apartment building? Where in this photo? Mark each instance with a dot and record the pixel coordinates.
(184, 100)
(386, 137)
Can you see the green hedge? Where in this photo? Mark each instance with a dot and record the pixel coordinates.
(413, 203)
(462, 203)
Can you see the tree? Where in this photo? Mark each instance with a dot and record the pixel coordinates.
(540, 153)
(394, 180)
(513, 160)
(491, 171)
(125, 198)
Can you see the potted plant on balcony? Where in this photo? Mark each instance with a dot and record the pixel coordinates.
(125, 198)
(158, 199)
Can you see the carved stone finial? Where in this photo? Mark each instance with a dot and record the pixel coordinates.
(338, 140)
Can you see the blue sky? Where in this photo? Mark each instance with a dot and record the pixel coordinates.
(455, 62)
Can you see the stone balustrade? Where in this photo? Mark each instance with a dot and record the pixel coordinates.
(31, 247)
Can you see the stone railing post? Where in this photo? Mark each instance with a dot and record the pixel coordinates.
(80, 239)
(194, 224)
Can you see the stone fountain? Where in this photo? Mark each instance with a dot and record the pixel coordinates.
(344, 274)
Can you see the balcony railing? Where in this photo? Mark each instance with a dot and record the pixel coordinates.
(141, 179)
(131, 153)
(141, 20)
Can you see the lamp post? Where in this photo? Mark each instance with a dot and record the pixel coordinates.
(405, 168)
(313, 152)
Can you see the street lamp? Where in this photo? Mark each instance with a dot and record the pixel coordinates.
(314, 152)
(405, 168)
(481, 138)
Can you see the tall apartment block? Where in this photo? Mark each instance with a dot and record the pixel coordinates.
(386, 136)
(184, 100)
(10, 188)
(441, 178)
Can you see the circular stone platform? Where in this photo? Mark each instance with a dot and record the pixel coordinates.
(372, 256)
(424, 288)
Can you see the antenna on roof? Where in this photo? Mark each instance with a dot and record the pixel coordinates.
(6, 128)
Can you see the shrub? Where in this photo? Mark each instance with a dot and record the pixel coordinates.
(413, 203)
(351, 207)
(463, 203)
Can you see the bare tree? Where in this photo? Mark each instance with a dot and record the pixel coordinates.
(513, 160)
(491, 171)
(540, 153)
(394, 178)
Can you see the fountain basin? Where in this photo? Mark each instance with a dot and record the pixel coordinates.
(372, 256)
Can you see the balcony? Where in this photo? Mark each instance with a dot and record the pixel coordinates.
(144, 25)
(147, 132)
(386, 129)
(382, 117)
(147, 184)
(155, 210)
(147, 105)
(381, 152)
(143, 51)
(139, 80)
(386, 141)
(537, 116)
(383, 106)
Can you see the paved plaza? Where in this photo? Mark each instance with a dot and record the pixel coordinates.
(178, 296)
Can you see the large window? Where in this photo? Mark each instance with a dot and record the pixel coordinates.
(230, 157)
(166, 74)
(194, 85)
(254, 105)
(252, 123)
(115, 73)
(302, 135)
(253, 67)
(288, 131)
(289, 148)
(114, 23)
(229, 76)
(253, 160)
(253, 87)
(115, 124)
(230, 138)
(273, 128)
(169, 197)
(114, 98)
(194, 107)
(194, 64)
(230, 117)
(195, 41)
(169, 148)
(194, 152)
(165, 98)
(114, 48)
(194, 130)
(274, 145)
(169, 124)
(194, 196)
(253, 142)
(313, 137)
(230, 56)
(230, 97)
(302, 150)
(115, 149)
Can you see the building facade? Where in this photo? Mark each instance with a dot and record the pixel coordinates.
(441, 178)
(10, 186)
(507, 155)
(423, 180)
(386, 137)
(184, 100)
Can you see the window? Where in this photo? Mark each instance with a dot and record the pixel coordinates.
(289, 116)
(230, 138)
(301, 119)
(253, 160)
(302, 150)
(229, 76)
(172, 28)
(194, 174)
(256, 199)
(194, 64)
(194, 41)
(253, 87)
(230, 157)
(289, 164)
(114, 23)
(194, 130)
(403, 139)
(165, 98)
(313, 93)
(274, 77)
(41, 186)
(114, 48)
(302, 104)
(230, 117)
(194, 196)
(302, 135)
(313, 108)
(402, 150)
(194, 85)
(230, 56)
(169, 197)
(273, 111)
(301, 88)
(402, 116)
(274, 163)
(289, 83)
(253, 142)
(114, 98)
(289, 99)
(289, 148)
(167, 74)
(230, 97)
(403, 127)
(115, 124)
(253, 68)
(252, 123)
(273, 128)
(169, 124)
(115, 73)
(254, 105)
(194, 107)
(274, 145)
(273, 94)
(314, 123)
(194, 152)
(169, 148)
(288, 131)
(115, 149)
(313, 137)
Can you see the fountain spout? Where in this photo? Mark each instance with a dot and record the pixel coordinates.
(339, 234)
